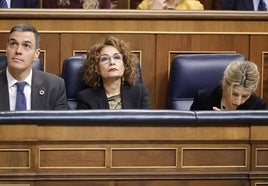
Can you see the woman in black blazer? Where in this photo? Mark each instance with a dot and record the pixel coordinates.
(240, 80)
(110, 72)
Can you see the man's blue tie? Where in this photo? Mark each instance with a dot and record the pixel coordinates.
(262, 6)
(20, 100)
(3, 4)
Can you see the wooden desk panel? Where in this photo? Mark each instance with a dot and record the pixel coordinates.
(156, 34)
(126, 155)
(143, 147)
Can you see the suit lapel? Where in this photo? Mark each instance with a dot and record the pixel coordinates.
(102, 98)
(4, 95)
(38, 95)
(125, 97)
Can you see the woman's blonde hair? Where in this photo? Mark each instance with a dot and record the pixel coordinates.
(87, 4)
(243, 73)
(91, 70)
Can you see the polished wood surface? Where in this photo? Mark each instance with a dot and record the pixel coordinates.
(155, 35)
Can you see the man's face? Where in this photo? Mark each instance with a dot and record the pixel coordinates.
(21, 52)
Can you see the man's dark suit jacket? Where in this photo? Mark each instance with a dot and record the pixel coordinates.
(208, 98)
(74, 4)
(237, 5)
(25, 4)
(48, 92)
(132, 97)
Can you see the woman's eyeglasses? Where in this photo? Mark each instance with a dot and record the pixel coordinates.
(105, 58)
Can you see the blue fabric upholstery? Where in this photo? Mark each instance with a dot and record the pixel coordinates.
(36, 64)
(72, 75)
(192, 72)
(3, 62)
(143, 118)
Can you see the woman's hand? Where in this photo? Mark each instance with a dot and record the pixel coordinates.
(216, 109)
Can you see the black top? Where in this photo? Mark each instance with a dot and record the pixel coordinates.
(208, 98)
(132, 97)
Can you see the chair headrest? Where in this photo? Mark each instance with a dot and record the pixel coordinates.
(192, 72)
(139, 78)
(72, 75)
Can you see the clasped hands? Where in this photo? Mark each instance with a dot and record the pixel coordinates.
(162, 4)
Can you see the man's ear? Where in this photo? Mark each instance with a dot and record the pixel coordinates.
(37, 53)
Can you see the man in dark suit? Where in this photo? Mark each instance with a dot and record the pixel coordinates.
(25, 4)
(43, 91)
(244, 5)
(20, 4)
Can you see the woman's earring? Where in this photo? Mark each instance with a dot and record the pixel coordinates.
(122, 80)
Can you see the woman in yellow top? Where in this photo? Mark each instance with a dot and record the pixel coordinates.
(171, 4)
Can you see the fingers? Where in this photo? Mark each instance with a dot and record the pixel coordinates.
(216, 109)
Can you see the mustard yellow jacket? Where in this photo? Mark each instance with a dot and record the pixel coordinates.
(182, 5)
